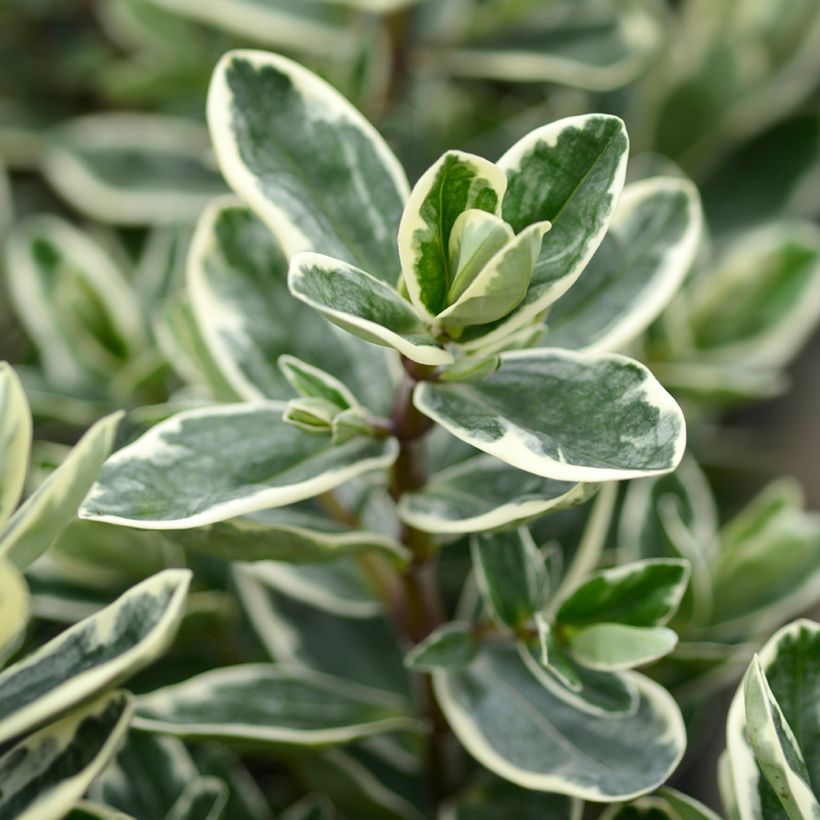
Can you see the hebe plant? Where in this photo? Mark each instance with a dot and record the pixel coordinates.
(415, 374)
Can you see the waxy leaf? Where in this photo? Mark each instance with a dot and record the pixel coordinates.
(237, 280)
(309, 165)
(643, 594)
(15, 440)
(790, 662)
(133, 169)
(564, 415)
(609, 647)
(14, 607)
(517, 728)
(569, 173)
(640, 265)
(45, 774)
(271, 704)
(96, 653)
(511, 575)
(483, 493)
(364, 306)
(449, 646)
(208, 465)
(40, 520)
(456, 183)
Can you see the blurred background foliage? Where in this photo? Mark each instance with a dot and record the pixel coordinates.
(105, 166)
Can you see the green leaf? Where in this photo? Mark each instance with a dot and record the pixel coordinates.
(14, 608)
(515, 727)
(761, 304)
(204, 798)
(449, 646)
(643, 594)
(500, 285)
(455, 183)
(610, 647)
(94, 654)
(483, 493)
(237, 279)
(511, 576)
(74, 302)
(43, 516)
(790, 663)
(311, 167)
(15, 440)
(493, 798)
(364, 306)
(286, 534)
(564, 415)
(569, 173)
(640, 265)
(45, 774)
(775, 747)
(207, 465)
(272, 704)
(597, 46)
(133, 169)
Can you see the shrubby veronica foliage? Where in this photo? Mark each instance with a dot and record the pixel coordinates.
(446, 554)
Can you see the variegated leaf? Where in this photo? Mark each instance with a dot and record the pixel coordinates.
(271, 703)
(306, 161)
(569, 173)
(483, 493)
(455, 183)
(514, 726)
(208, 465)
(640, 265)
(564, 415)
(43, 516)
(15, 440)
(45, 774)
(94, 654)
(364, 306)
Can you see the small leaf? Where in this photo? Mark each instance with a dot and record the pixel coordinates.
(612, 647)
(455, 183)
(564, 415)
(450, 646)
(95, 653)
(364, 306)
(272, 704)
(511, 576)
(208, 465)
(45, 774)
(15, 440)
(643, 594)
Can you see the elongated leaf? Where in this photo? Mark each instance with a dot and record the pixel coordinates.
(564, 415)
(14, 607)
(775, 747)
(237, 279)
(457, 182)
(511, 575)
(271, 704)
(364, 306)
(204, 798)
(306, 161)
(204, 466)
(610, 647)
(45, 774)
(493, 798)
(569, 173)
(483, 493)
(133, 169)
(789, 661)
(15, 440)
(516, 728)
(95, 653)
(644, 593)
(638, 268)
(39, 521)
(450, 646)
